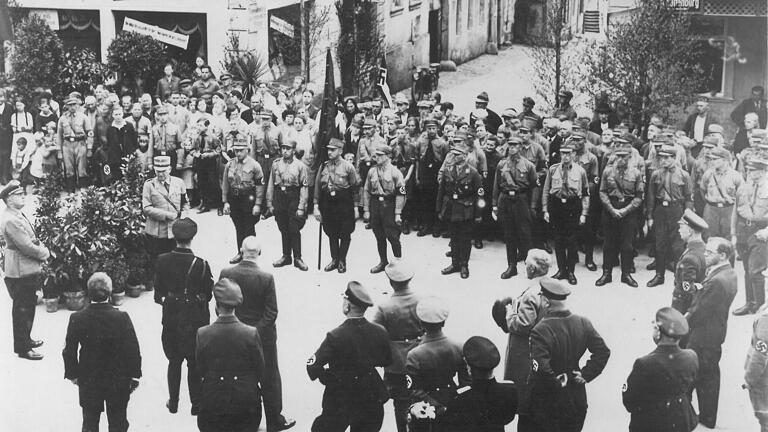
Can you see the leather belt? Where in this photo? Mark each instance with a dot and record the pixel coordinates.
(239, 192)
(668, 203)
(75, 139)
(719, 205)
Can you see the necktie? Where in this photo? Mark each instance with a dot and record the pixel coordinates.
(667, 183)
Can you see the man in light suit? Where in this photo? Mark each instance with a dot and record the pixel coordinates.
(6, 138)
(708, 321)
(163, 198)
(259, 309)
(24, 256)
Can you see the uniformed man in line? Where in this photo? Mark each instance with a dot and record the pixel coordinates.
(756, 368)
(335, 203)
(756, 138)
(484, 405)
(166, 138)
(621, 192)
(287, 196)
(265, 140)
(708, 319)
(72, 131)
(748, 228)
(460, 200)
(398, 316)
(669, 193)
(589, 162)
(366, 147)
(183, 287)
(354, 392)
(701, 165)
(22, 264)
(242, 192)
(691, 267)
(558, 342)
(434, 366)
(432, 152)
(656, 391)
(383, 200)
(719, 185)
(535, 153)
(565, 200)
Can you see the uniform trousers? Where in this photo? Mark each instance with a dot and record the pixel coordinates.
(618, 241)
(157, 246)
(707, 383)
(5, 162)
(179, 345)
(241, 213)
(338, 212)
(74, 158)
(271, 384)
(588, 232)
(286, 203)
(358, 417)
(754, 257)
(238, 422)
(515, 219)
(398, 391)
(564, 220)
(93, 397)
(384, 227)
(719, 220)
(23, 292)
(427, 195)
(558, 409)
(669, 245)
(461, 241)
(759, 398)
(208, 182)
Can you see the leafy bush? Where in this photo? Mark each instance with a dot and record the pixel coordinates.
(138, 59)
(246, 67)
(37, 55)
(81, 69)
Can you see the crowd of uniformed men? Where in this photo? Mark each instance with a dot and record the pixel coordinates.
(520, 177)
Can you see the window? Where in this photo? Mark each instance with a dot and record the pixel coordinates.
(396, 7)
(470, 14)
(713, 45)
(459, 12)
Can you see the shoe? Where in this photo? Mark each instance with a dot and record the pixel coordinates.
(236, 259)
(195, 410)
(36, 344)
(560, 275)
(31, 355)
(656, 281)
(406, 230)
(445, 235)
(423, 232)
(590, 265)
(299, 264)
(478, 244)
(378, 268)
(203, 209)
(747, 309)
(368, 225)
(464, 271)
(651, 266)
(453, 268)
(333, 265)
(606, 278)
(571, 278)
(283, 261)
(509, 272)
(627, 278)
(285, 425)
(449, 254)
(707, 424)
(219, 212)
(436, 233)
(341, 267)
(173, 406)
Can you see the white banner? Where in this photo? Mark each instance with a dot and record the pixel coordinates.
(156, 33)
(281, 25)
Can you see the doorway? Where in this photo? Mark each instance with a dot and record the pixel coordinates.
(435, 36)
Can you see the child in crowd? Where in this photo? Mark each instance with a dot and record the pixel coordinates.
(36, 158)
(20, 160)
(187, 171)
(52, 153)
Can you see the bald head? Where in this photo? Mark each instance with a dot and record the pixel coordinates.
(251, 248)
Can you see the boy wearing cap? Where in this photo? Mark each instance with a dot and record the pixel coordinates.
(354, 392)
(432, 152)
(383, 200)
(719, 185)
(656, 391)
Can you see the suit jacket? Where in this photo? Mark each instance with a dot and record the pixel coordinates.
(109, 350)
(6, 132)
(156, 201)
(596, 127)
(708, 315)
(24, 255)
(230, 361)
(748, 106)
(259, 308)
(166, 87)
(691, 122)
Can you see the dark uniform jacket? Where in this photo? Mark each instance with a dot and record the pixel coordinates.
(485, 406)
(460, 193)
(708, 315)
(431, 368)
(398, 316)
(183, 284)
(259, 308)
(690, 269)
(656, 392)
(230, 361)
(756, 365)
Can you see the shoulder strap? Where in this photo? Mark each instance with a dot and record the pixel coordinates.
(166, 198)
(189, 272)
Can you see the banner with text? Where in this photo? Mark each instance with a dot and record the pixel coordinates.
(156, 33)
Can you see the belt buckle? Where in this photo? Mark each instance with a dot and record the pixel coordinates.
(512, 193)
(748, 223)
(333, 193)
(282, 188)
(368, 163)
(563, 200)
(621, 200)
(381, 198)
(430, 165)
(665, 203)
(720, 205)
(455, 196)
(71, 139)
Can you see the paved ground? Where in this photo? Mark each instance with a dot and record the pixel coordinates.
(36, 397)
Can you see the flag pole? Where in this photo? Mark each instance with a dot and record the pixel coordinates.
(326, 131)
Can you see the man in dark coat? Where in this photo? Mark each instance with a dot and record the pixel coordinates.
(108, 367)
(183, 284)
(354, 392)
(259, 309)
(755, 104)
(656, 392)
(692, 266)
(708, 319)
(6, 138)
(231, 363)
(697, 124)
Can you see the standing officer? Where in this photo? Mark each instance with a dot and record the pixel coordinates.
(566, 198)
(589, 162)
(366, 148)
(166, 137)
(656, 392)
(335, 203)
(756, 369)
(207, 152)
(699, 166)
(535, 153)
(558, 341)
(383, 200)
(719, 185)
(669, 193)
(231, 363)
(748, 229)
(708, 319)
(183, 284)
(354, 392)
(398, 316)
(72, 131)
(460, 199)
(24, 256)
(265, 141)
(287, 194)
(621, 192)
(242, 192)
(432, 152)
(514, 187)
(691, 267)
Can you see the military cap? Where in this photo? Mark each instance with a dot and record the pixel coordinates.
(621, 152)
(719, 153)
(618, 132)
(481, 353)
(668, 132)
(524, 127)
(241, 142)
(227, 292)
(620, 140)
(357, 294)
(398, 271)
(430, 122)
(460, 147)
(460, 136)
(335, 143)
(554, 289)
(668, 150)
(578, 135)
(715, 128)
(566, 93)
(266, 113)
(509, 113)
(566, 149)
(384, 150)
(757, 164)
(499, 313)
(432, 310)
(71, 100)
(161, 163)
(603, 108)
(515, 140)
(290, 142)
(400, 99)
(693, 220)
(184, 229)
(13, 187)
(185, 81)
(710, 141)
(369, 123)
(528, 102)
(758, 134)
(425, 104)
(225, 75)
(161, 109)
(482, 97)
(671, 322)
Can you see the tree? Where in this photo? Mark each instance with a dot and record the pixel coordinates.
(548, 48)
(36, 58)
(138, 59)
(359, 46)
(80, 70)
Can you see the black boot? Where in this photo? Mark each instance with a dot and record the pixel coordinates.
(283, 261)
(560, 275)
(453, 268)
(299, 264)
(378, 268)
(571, 278)
(333, 265)
(651, 266)
(656, 281)
(464, 271)
(606, 278)
(627, 278)
(510, 271)
(342, 267)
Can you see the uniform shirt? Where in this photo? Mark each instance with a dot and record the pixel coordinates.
(182, 277)
(384, 180)
(165, 137)
(72, 126)
(670, 185)
(752, 201)
(335, 175)
(514, 175)
(432, 367)
(460, 193)
(721, 186)
(577, 187)
(291, 173)
(143, 125)
(534, 153)
(588, 161)
(366, 148)
(398, 316)
(756, 366)
(622, 185)
(245, 175)
(264, 142)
